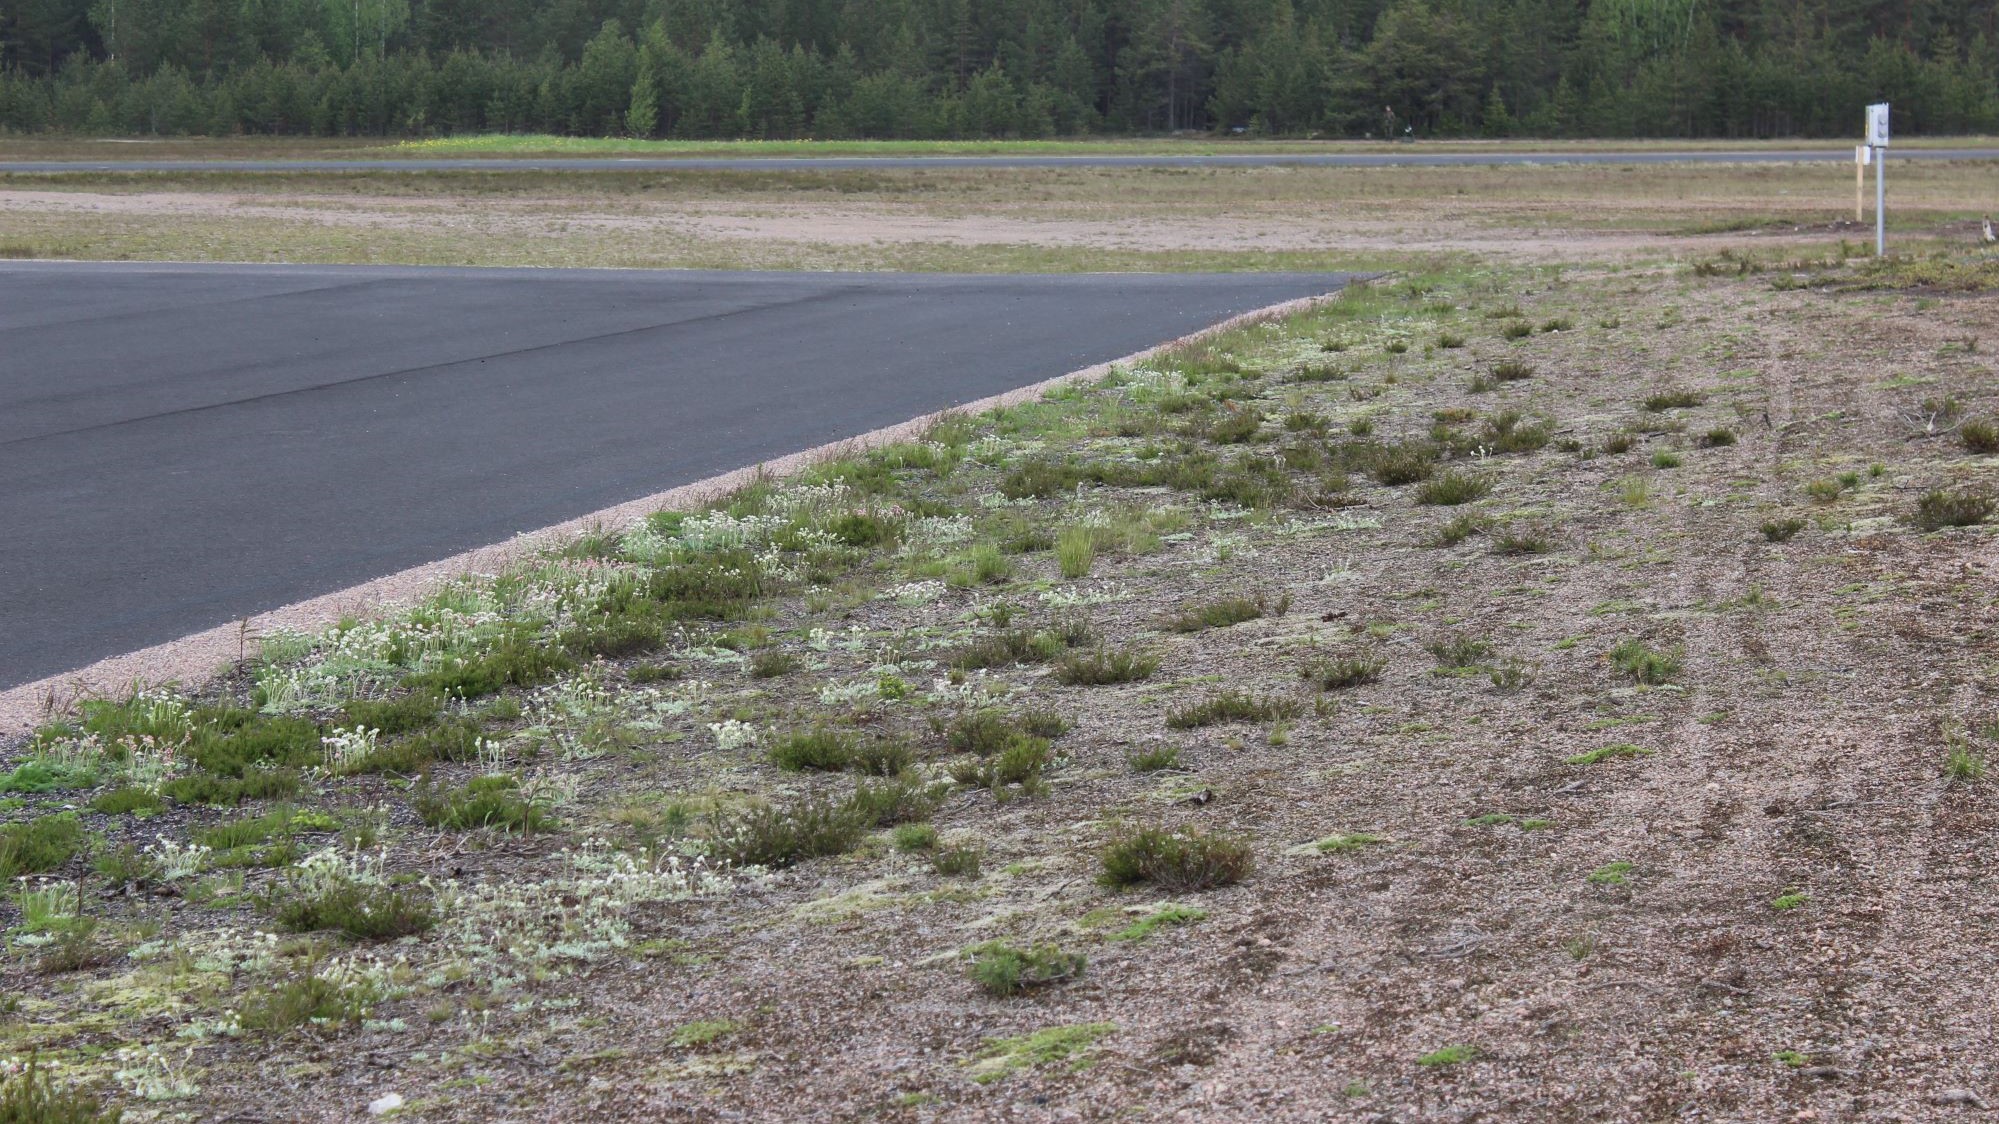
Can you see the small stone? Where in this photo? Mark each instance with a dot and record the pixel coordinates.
(382, 1106)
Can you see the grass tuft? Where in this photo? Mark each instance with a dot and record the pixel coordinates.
(1674, 400)
(490, 802)
(1170, 916)
(1076, 552)
(30, 1095)
(1645, 666)
(1232, 706)
(1608, 753)
(1225, 612)
(39, 845)
(1449, 1055)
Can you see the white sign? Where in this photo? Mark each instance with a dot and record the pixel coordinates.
(1863, 155)
(1877, 125)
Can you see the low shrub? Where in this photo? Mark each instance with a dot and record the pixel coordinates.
(517, 661)
(1104, 667)
(1005, 970)
(655, 673)
(779, 836)
(883, 757)
(1020, 646)
(613, 637)
(1979, 437)
(894, 801)
(1453, 488)
(367, 911)
(1236, 427)
(1013, 771)
(223, 792)
(770, 663)
(308, 1000)
(956, 862)
(1459, 652)
(1343, 673)
(822, 748)
(1175, 860)
(1940, 509)
(1782, 530)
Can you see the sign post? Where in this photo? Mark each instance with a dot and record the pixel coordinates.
(1877, 140)
(1861, 154)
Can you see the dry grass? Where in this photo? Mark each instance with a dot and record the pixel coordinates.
(982, 220)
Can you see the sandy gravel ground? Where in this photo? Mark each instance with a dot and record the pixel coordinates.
(1775, 907)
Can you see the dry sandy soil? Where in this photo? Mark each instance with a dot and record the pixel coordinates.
(1768, 899)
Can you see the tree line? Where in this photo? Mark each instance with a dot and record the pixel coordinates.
(996, 68)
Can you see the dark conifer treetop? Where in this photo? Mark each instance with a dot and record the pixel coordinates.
(996, 68)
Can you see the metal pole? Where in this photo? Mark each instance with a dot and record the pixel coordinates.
(1859, 186)
(1880, 202)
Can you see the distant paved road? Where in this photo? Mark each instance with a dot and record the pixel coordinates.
(1388, 157)
(183, 446)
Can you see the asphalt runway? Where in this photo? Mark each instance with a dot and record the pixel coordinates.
(1389, 157)
(183, 446)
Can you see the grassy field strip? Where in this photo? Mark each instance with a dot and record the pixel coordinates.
(1018, 220)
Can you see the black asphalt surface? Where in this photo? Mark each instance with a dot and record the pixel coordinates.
(1388, 157)
(183, 446)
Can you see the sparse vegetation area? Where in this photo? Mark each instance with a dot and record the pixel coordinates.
(942, 743)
